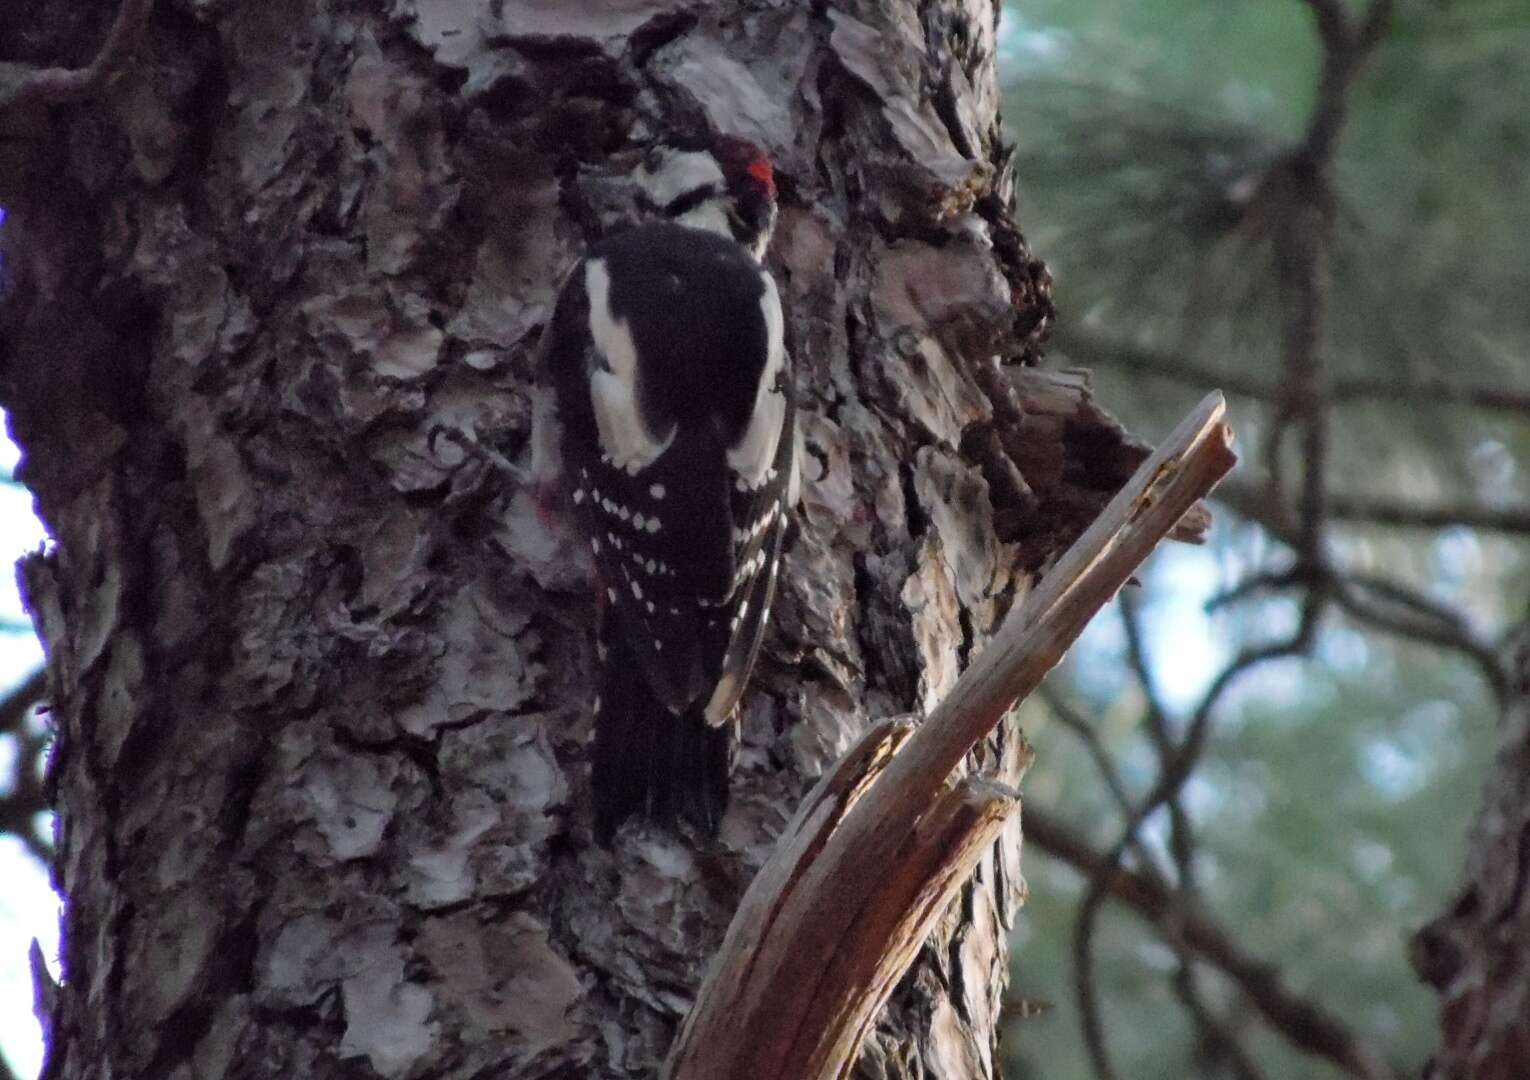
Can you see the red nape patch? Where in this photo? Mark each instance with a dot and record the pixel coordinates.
(760, 169)
(741, 158)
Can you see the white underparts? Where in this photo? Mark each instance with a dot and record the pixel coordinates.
(614, 392)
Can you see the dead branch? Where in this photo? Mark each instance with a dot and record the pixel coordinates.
(23, 86)
(832, 920)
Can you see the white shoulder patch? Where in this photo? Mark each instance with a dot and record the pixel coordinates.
(751, 456)
(624, 436)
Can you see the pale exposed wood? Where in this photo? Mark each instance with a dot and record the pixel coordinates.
(832, 920)
(902, 906)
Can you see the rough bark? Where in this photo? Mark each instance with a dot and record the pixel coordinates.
(320, 676)
(1474, 954)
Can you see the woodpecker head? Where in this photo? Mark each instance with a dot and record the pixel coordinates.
(724, 185)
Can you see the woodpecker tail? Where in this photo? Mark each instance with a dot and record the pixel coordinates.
(649, 761)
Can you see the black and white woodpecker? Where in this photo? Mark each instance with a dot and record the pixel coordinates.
(673, 392)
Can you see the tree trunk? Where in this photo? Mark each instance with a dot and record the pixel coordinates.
(1475, 953)
(321, 676)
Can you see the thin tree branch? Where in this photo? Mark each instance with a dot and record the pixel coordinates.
(1093, 348)
(19, 807)
(1378, 18)
(872, 856)
(1307, 1025)
(1299, 192)
(1173, 776)
(1086, 996)
(1252, 586)
(1222, 1044)
(1136, 655)
(17, 704)
(1345, 51)
(1393, 608)
(1381, 510)
(23, 86)
(1332, 24)
(18, 812)
(1387, 605)
(1071, 719)
(1253, 503)
(1181, 832)
(1302, 269)
(1217, 1037)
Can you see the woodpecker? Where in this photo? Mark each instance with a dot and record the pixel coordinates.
(672, 393)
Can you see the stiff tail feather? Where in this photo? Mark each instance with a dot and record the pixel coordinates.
(649, 761)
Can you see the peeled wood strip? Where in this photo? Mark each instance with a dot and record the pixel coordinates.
(942, 851)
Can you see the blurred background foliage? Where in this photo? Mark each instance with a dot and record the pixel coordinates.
(1330, 807)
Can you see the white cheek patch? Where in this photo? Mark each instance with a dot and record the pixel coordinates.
(624, 437)
(751, 456)
(680, 173)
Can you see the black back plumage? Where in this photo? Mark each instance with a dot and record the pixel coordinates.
(685, 545)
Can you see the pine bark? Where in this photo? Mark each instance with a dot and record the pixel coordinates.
(1474, 953)
(320, 674)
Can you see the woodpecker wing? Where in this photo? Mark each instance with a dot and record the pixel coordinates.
(760, 511)
(670, 602)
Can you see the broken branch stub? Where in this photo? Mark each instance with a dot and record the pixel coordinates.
(882, 843)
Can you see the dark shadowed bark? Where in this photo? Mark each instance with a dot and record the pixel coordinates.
(320, 674)
(1474, 954)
